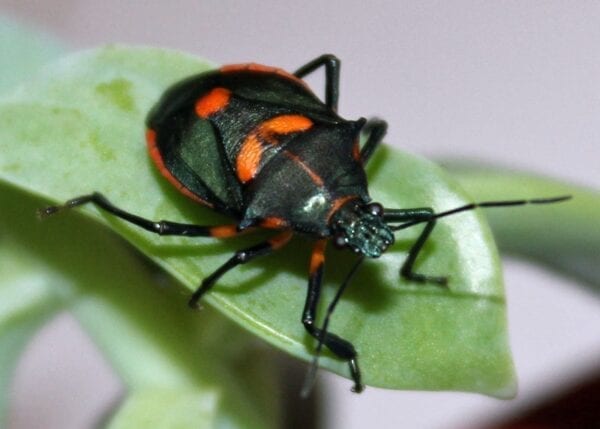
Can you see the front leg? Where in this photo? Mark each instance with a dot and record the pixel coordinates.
(338, 346)
(410, 217)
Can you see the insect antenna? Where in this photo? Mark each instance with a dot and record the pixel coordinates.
(311, 376)
(471, 206)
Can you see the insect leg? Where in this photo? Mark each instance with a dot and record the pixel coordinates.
(340, 347)
(162, 227)
(376, 129)
(411, 217)
(414, 216)
(332, 77)
(239, 257)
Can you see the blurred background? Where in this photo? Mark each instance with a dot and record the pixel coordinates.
(510, 83)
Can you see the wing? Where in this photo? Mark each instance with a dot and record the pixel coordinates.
(189, 153)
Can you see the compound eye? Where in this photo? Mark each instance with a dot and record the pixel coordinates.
(339, 241)
(375, 209)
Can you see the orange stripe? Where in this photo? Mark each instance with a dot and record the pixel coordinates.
(274, 223)
(285, 124)
(280, 240)
(213, 102)
(158, 161)
(223, 231)
(253, 67)
(151, 138)
(313, 176)
(317, 257)
(248, 159)
(356, 151)
(338, 203)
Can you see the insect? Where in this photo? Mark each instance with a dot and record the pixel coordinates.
(255, 143)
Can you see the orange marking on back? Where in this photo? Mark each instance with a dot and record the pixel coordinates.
(250, 154)
(274, 223)
(232, 68)
(248, 159)
(260, 68)
(212, 102)
(158, 161)
(150, 138)
(356, 151)
(338, 203)
(317, 257)
(280, 240)
(285, 124)
(313, 176)
(223, 231)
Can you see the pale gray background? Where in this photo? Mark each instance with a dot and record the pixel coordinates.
(516, 83)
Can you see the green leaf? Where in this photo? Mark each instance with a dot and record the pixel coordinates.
(166, 408)
(79, 128)
(26, 299)
(131, 312)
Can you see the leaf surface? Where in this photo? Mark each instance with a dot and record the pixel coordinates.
(78, 128)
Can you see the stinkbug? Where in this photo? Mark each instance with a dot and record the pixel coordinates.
(255, 143)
